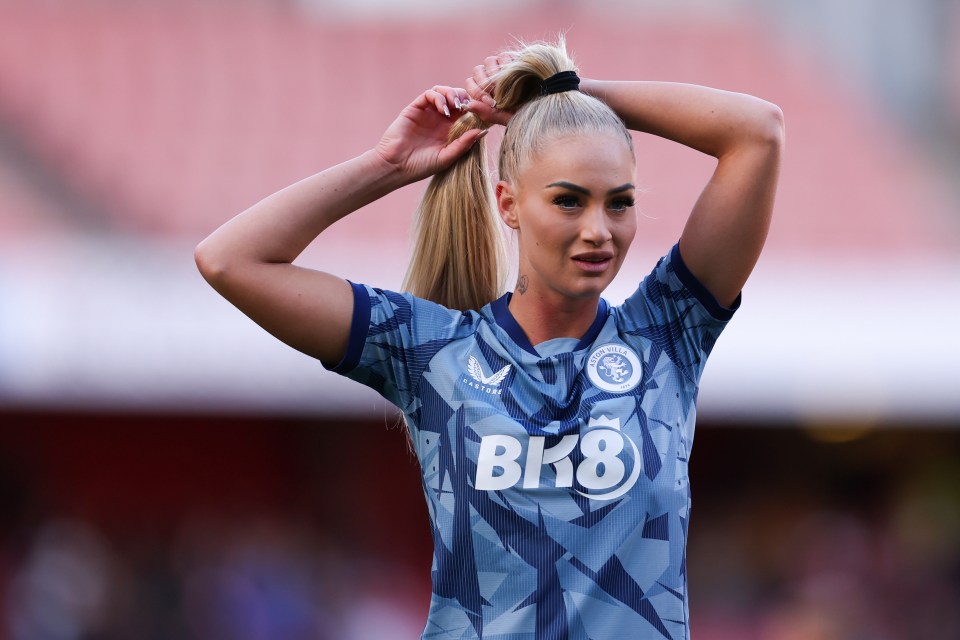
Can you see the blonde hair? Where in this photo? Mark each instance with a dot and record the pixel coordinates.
(458, 257)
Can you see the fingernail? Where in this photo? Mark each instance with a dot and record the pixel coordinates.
(490, 101)
(446, 110)
(456, 103)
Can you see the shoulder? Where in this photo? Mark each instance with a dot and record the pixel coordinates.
(672, 284)
(383, 310)
(388, 324)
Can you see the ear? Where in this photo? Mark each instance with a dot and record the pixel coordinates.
(507, 204)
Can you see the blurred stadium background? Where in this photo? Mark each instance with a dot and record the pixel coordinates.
(168, 470)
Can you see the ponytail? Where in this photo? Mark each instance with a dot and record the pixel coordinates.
(458, 256)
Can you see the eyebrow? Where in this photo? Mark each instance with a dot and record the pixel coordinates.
(575, 187)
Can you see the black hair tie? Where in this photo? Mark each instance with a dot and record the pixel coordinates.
(560, 82)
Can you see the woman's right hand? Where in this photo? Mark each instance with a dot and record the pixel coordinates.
(415, 144)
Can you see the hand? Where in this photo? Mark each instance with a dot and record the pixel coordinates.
(416, 143)
(481, 87)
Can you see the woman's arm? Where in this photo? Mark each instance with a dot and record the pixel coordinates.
(249, 259)
(726, 230)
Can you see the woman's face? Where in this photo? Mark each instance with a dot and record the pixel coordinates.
(572, 206)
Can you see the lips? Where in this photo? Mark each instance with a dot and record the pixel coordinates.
(593, 261)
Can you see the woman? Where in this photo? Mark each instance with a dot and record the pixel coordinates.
(553, 431)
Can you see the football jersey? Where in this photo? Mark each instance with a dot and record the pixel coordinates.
(555, 474)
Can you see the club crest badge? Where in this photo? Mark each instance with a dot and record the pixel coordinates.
(614, 368)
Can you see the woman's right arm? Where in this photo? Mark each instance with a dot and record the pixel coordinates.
(249, 259)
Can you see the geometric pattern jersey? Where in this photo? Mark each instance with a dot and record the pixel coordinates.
(555, 476)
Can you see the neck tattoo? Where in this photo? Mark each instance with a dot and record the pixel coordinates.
(522, 285)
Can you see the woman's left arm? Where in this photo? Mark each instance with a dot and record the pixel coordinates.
(725, 232)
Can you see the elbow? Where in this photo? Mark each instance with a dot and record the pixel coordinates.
(209, 262)
(759, 126)
(770, 125)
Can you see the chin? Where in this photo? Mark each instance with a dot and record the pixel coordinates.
(593, 288)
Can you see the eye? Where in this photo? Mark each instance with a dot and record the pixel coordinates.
(621, 204)
(567, 201)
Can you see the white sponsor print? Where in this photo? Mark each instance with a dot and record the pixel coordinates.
(501, 462)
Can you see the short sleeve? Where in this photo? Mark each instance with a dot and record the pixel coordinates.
(675, 311)
(393, 337)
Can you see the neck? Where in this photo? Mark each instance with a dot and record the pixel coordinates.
(544, 318)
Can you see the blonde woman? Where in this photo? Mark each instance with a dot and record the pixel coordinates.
(553, 430)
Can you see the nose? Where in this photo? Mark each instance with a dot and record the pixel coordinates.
(595, 229)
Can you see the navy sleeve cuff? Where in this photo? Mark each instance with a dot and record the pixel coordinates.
(359, 324)
(700, 292)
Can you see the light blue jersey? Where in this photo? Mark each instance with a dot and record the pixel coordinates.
(555, 475)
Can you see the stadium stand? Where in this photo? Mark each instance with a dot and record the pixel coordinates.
(153, 483)
(173, 117)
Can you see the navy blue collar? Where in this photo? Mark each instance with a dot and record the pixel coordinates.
(501, 313)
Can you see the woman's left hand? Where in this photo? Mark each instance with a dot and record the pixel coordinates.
(481, 87)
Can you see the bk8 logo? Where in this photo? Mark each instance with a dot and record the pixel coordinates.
(611, 461)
